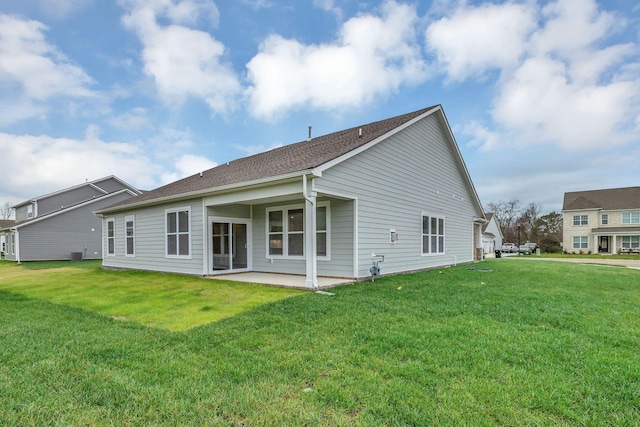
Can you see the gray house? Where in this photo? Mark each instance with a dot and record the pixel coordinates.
(59, 224)
(318, 208)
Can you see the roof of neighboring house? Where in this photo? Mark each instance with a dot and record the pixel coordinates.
(298, 157)
(612, 198)
(70, 207)
(489, 216)
(95, 184)
(6, 223)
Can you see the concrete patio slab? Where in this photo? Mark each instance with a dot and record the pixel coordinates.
(284, 280)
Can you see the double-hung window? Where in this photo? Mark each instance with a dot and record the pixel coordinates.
(111, 237)
(580, 242)
(631, 218)
(630, 242)
(130, 238)
(581, 220)
(432, 235)
(285, 231)
(178, 242)
(604, 219)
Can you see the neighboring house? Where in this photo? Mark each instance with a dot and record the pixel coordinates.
(57, 225)
(601, 221)
(491, 234)
(321, 207)
(4, 224)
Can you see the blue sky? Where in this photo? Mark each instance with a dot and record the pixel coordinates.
(543, 96)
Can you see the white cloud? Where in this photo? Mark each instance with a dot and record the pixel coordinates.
(187, 165)
(55, 163)
(59, 9)
(476, 39)
(182, 61)
(560, 81)
(373, 56)
(136, 118)
(38, 68)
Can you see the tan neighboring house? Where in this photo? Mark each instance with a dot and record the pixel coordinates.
(602, 221)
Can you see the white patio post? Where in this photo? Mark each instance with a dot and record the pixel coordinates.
(595, 244)
(614, 249)
(310, 236)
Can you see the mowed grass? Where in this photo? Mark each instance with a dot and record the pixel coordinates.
(535, 343)
(169, 301)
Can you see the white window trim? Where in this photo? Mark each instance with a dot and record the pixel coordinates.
(630, 218)
(444, 235)
(573, 242)
(128, 218)
(166, 245)
(580, 224)
(113, 221)
(285, 233)
(630, 241)
(604, 219)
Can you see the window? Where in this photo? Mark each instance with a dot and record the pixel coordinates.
(178, 232)
(285, 231)
(321, 231)
(111, 237)
(580, 242)
(605, 219)
(629, 242)
(581, 220)
(129, 232)
(29, 211)
(432, 235)
(631, 218)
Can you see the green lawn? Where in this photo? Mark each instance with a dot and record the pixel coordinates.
(174, 302)
(523, 344)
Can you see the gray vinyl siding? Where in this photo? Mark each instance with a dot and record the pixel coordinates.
(340, 263)
(75, 230)
(230, 211)
(412, 172)
(110, 185)
(66, 199)
(150, 236)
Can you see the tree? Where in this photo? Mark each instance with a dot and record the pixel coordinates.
(6, 211)
(527, 221)
(549, 228)
(507, 212)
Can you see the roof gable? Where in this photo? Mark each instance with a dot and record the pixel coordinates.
(298, 157)
(96, 185)
(609, 199)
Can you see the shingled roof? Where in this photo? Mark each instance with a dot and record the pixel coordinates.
(613, 198)
(301, 156)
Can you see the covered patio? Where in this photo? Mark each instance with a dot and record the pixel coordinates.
(283, 280)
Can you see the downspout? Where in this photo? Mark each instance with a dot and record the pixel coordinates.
(310, 238)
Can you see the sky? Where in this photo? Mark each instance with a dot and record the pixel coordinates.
(543, 97)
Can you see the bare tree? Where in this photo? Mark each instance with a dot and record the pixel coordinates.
(507, 213)
(6, 211)
(527, 221)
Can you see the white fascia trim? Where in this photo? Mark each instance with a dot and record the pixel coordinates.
(205, 192)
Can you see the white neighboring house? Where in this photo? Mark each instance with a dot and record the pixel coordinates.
(321, 207)
(4, 224)
(602, 221)
(491, 234)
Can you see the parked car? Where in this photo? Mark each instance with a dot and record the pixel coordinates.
(528, 248)
(509, 247)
